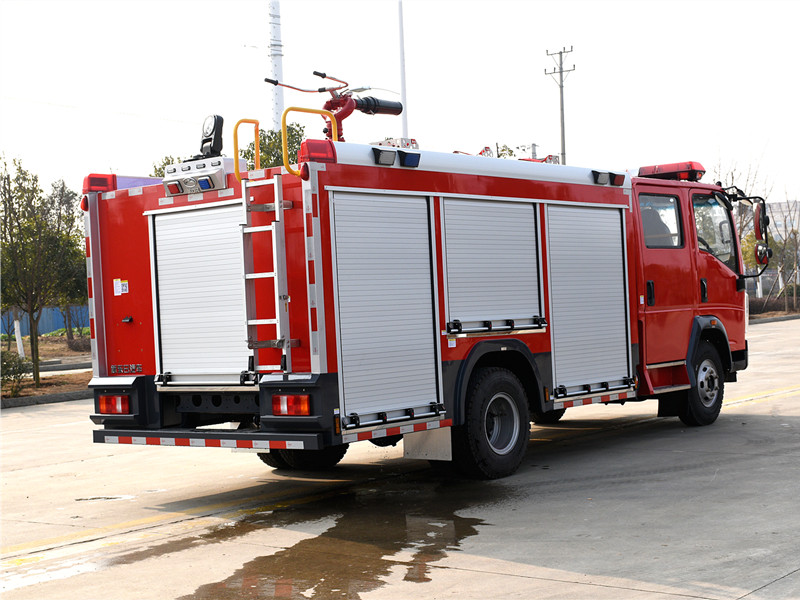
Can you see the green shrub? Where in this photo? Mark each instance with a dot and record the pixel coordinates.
(14, 370)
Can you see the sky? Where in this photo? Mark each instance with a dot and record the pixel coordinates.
(101, 86)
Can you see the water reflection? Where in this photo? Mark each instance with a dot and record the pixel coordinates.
(402, 527)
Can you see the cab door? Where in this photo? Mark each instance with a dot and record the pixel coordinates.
(718, 264)
(668, 296)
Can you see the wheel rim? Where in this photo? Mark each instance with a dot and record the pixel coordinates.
(501, 423)
(707, 383)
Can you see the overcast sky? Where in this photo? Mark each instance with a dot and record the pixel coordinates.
(114, 85)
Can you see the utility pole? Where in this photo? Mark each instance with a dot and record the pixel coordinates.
(276, 57)
(403, 99)
(560, 71)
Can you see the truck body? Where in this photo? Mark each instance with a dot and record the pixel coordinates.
(389, 293)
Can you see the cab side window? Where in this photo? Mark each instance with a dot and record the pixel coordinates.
(714, 231)
(660, 221)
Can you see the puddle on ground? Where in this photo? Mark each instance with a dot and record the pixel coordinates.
(365, 529)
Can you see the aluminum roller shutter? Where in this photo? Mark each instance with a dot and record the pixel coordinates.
(201, 295)
(587, 296)
(385, 303)
(492, 267)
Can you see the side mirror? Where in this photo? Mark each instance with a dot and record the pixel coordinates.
(760, 221)
(763, 253)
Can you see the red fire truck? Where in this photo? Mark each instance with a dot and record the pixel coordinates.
(372, 292)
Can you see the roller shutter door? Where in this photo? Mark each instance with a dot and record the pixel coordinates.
(203, 336)
(385, 303)
(492, 266)
(587, 295)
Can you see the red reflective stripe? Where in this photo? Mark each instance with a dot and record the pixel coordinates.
(393, 431)
(420, 427)
(278, 445)
(366, 435)
(213, 443)
(91, 328)
(153, 441)
(244, 443)
(125, 439)
(181, 441)
(309, 226)
(88, 254)
(446, 423)
(89, 286)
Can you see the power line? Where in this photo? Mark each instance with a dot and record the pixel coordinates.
(561, 71)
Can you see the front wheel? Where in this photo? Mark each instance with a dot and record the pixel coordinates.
(494, 437)
(705, 399)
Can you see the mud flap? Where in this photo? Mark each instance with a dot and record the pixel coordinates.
(433, 444)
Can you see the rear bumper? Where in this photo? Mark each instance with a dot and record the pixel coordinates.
(211, 438)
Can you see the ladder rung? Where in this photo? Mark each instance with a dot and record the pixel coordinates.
(258, 229)
(262, 322)
(268, 207)
(259, 275)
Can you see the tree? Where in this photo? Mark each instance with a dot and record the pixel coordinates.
(38, 232)
(158, 167)
(271, 147)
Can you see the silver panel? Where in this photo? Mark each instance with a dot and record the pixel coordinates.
(385, 305)
(587, 295)
(491, 261)
(200, 295)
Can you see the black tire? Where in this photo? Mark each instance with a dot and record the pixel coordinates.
(494, 437)
(550, 417)
(274, 459)
(705, 399)
(315, 460)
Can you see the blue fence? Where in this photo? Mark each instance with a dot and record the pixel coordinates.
(51, 320)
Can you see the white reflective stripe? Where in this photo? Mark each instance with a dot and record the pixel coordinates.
(139, 440)
(260, 444)
(294, 445)
(167, 441)
(111, 439)
(227, 443)
(197, 443)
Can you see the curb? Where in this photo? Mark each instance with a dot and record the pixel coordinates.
(45, 399)
(774, 319)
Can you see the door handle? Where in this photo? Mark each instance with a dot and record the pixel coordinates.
(703, 290)
(651, 292)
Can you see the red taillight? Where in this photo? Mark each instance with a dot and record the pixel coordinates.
(114, 405)
(291, 404)
(317, 151)
(85, 203)
(99, 183)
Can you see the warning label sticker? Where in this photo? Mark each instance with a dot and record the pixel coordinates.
(120, 287)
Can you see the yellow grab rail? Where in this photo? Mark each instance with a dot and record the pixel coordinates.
(284, 140)
(256, 146)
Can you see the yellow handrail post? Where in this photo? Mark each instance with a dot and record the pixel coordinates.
(257, 146)
(284, 137)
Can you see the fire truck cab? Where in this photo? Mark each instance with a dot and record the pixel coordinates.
(383, 293)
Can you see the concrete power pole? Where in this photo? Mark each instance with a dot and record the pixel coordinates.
(403, 99)
(560, 71)
(276, 58)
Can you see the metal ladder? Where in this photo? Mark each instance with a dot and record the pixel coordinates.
(281, 340)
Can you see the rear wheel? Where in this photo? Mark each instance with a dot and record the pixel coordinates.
(273, 459)
(493, 440)
(314, 460)
(549, 417)
(705, 399)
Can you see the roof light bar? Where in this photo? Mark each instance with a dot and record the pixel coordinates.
(682, 171)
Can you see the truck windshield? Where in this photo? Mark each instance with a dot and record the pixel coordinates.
(714, 231)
